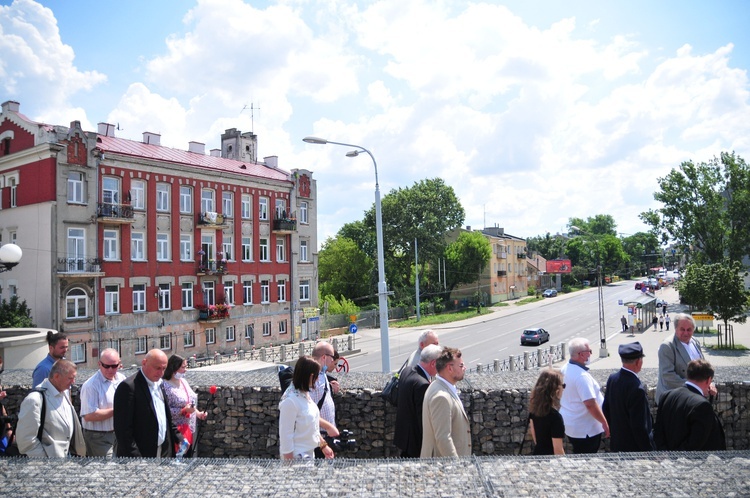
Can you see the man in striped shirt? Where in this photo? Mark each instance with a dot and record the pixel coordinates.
(97, 400)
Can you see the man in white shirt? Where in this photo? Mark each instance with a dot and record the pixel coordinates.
(97, 401)
(324, 389)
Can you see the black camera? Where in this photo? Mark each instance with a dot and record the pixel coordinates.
(343, 442)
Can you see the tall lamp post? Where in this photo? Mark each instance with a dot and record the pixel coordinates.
(10, 255)
(603, 353)
(382, 288)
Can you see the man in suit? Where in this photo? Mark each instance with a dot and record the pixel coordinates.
(446, 430)
(61, 426)
(142, 420)
(674, 355)
(686, 420)
(426, 338)
(412, 388)
(626, 404)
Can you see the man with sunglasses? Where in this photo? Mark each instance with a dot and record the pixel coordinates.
(97, 401)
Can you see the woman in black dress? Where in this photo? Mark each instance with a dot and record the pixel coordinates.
(546, 423)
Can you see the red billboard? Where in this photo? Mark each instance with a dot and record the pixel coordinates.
(558, 266)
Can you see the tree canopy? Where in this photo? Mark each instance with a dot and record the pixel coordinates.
(15, 314)
(467, 258)
(345, 270)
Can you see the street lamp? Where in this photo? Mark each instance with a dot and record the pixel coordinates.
(603, 353)
(382, 288)
(10, 255)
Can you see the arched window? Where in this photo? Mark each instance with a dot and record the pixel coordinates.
(77, 304)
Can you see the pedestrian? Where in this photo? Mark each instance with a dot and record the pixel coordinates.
(624, 322)
(97, 405)
(545, 422)
(661, 323)
(666, 322)
(654, 322)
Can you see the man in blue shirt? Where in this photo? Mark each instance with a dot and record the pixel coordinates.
(57, 342)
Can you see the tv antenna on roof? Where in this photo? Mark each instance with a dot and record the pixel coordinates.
(252, 108)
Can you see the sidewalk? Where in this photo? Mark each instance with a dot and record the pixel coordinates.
(651, 338)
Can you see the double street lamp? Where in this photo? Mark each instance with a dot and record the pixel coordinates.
(382, 288)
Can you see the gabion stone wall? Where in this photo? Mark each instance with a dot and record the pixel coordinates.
(243, 413)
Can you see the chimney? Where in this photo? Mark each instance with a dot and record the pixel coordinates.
(151, 138)
(106, 129)
(215, 152)
(197, 147)
(12, 106)
(272, 161)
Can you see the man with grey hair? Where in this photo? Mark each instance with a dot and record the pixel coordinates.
(426, 338)
(674, 355)
(97, 404)
(581, 402)
(413, 385)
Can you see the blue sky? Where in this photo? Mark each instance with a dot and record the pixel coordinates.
(534, 112)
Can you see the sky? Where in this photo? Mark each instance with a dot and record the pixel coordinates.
(533, 112)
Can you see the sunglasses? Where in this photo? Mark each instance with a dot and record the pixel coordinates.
(110, 366)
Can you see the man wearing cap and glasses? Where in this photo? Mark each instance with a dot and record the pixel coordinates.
(97, 401)
(580, 405)
(626, 404)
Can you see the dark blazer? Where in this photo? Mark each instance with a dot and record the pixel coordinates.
(411, 389)
(686, 422)
(627, 412)
(136, 426)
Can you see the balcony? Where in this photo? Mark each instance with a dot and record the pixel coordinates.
(114, 213)
(283, 226)
(501, 273)
(213, 313)
(210, 219)
(212, 267)
(80, 267)
(521, 255)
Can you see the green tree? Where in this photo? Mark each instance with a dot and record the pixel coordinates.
(706, 209)
(727, 297)
(345, 270)
(640, 248)
(15, 314)
(467, 258)
(549, 246)
(341, 306)
(600, 224)
(693, 286)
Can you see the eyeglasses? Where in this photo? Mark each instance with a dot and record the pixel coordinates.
(563, 385)
(110, 366)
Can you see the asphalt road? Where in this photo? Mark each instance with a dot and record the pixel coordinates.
(497, 336)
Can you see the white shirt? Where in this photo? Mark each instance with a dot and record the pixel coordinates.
(328, 409)
(299, 424)
(99, 393)
(579, 387)
(692, 351)
(157, 397)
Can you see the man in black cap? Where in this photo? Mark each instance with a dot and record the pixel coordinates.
(626, 404)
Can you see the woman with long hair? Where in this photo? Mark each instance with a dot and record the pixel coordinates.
(182, 400)
(546, 423)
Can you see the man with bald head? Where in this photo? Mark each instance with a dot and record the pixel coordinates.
(97, 402)
(142, 420)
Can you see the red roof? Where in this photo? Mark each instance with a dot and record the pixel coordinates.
(177, 156)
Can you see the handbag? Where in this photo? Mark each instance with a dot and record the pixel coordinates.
(390, 391)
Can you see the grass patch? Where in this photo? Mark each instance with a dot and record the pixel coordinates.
(737, 347)
(500, 305)
(706, 332)
(528, 300)
(438, 319)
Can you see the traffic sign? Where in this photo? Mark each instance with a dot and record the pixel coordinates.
(353, 328)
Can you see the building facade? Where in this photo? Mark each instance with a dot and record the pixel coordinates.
(135, 246)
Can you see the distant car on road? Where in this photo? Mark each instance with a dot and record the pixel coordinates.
(534, 336)
(549, 293)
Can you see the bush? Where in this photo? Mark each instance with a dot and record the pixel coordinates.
(341, 306)
(531, 291)
(567, 288)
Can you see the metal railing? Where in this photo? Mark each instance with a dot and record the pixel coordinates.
(530, 360)
(79, 265)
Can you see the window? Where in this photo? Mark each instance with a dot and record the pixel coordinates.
(265, 293)
(138, 194)
(303, 212)
(281, 287)
(230, 333)
(114, 344)
(111, 245)
(141, 345)
(76, 249)
(186, 247)
(165, 341)
(266, 328)
(162, 247)
(110, 190)
(228, 292)
(210, 336)
(137, 245)
(209, 294)
(165, 297)
(303, 250)
(227, 204)
(280, 210)
(304, 290)
(247, 248)
(75, 187)
(245, 207)
(111, 300)
(187, 295)
(162, 197)
(13, 290)
(13, 192)
(247, 292)
(282, 327)
(78, 353)
(186, 199)
(264, 250)
(208, 201)
(189, 338)
(280, 249)
(249, 330)
(77, 304)
(139, 298)
(227, 246)
(263, 208)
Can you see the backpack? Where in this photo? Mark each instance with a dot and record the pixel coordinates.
(9, 448)
(390, 391)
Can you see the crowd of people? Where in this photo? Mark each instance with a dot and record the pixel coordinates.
(154, 412)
